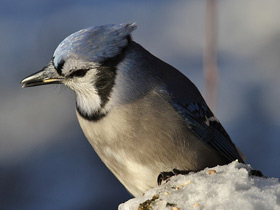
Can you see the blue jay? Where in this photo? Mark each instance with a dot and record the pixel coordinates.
(141, 115)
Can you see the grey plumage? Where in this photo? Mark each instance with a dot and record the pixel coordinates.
(141, 115)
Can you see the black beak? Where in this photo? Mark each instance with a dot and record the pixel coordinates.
(44, 77)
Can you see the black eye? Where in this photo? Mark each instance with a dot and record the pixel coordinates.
(79, 73)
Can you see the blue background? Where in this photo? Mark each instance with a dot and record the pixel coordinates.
(45, 160)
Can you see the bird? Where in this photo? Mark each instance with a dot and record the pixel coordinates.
(143, 117)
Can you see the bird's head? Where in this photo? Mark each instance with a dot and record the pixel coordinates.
(86, 62)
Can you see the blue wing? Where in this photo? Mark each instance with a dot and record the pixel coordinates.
(201, 121)
(188, 102)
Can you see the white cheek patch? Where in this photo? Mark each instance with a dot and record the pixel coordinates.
(89, 102)
(88, 99)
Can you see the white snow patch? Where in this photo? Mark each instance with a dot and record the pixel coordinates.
(222, 187)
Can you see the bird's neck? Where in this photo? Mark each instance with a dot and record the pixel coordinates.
(120, 80)
(88, 106)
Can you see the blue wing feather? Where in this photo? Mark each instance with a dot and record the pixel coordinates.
(200, 120)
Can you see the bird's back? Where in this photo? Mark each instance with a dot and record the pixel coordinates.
(186, 99)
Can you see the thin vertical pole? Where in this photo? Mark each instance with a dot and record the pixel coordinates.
(210, 54)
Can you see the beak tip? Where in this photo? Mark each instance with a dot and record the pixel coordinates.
(24, 80)
(23, 83)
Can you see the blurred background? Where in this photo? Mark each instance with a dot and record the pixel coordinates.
(45, 160)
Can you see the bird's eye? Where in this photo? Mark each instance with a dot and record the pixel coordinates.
(79, 73)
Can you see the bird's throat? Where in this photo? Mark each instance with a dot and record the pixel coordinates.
(89, 107)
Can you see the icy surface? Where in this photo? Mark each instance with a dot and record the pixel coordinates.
(221, 187)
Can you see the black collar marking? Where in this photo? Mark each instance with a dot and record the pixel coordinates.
(107, 73)
(96, 116)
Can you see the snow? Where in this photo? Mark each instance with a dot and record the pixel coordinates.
(222, 187)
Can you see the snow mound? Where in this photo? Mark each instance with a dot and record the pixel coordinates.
(221, 187)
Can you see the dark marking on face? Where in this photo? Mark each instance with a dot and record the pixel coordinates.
(105, 82)
(107, 73)
(60, 66)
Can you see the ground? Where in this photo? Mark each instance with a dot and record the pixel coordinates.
(221, 187)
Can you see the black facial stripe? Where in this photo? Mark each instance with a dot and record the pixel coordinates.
(59, 67)
(107, 73)
(105, 82)
(96, 116)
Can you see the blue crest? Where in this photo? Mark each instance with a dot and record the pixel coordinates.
(95, 43)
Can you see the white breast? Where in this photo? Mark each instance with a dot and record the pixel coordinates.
(112, 139)
(139, 140)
